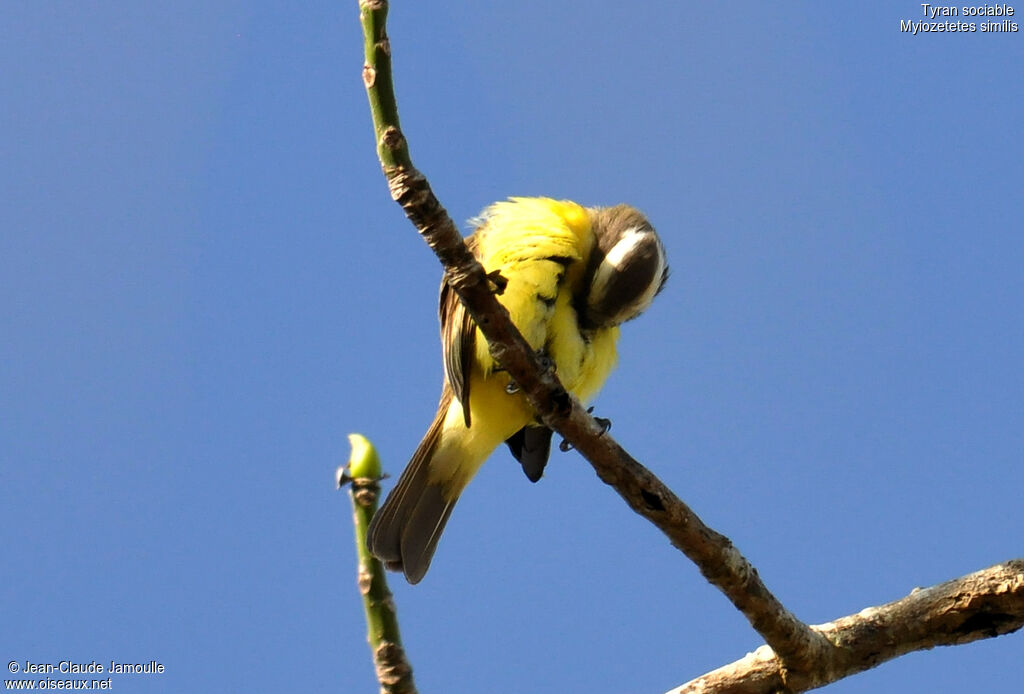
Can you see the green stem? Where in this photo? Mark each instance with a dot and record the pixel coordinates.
(393, 670)
(392, 148)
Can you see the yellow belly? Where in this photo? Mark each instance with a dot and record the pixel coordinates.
(581, 364)
(540, 247)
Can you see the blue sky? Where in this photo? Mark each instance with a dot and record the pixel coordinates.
(206, 287)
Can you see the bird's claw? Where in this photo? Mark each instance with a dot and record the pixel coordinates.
(544, 360)
(603, 422)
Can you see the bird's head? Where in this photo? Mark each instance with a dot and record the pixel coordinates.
(626, 270)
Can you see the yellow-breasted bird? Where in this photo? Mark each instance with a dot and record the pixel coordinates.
(572, 275)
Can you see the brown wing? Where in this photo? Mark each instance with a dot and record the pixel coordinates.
(458, 341)
(404, 532)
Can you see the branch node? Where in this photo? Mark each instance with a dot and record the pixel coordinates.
(392, 667)
(365, 491)
(364, 580)
(392, 138)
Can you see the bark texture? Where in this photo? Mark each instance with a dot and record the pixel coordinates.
(980, 605)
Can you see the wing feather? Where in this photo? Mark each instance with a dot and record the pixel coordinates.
(458, 341)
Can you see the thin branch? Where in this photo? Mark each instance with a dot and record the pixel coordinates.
(394, 673)
(981, 605)
(718, 560)
(391, 148)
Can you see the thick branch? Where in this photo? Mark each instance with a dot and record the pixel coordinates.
(980, 605)
(713, 553)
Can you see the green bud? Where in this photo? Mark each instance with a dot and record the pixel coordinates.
(363, 461)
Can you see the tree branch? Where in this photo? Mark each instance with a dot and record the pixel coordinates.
(713, 553)
(394, 673)
(796, 649)
(980, 605)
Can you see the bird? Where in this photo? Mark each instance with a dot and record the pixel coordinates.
(568, 276)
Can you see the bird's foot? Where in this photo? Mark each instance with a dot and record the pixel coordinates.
(544, 360)
(603, 422)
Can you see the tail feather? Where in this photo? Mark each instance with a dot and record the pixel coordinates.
(405, 530)
(422, 531)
